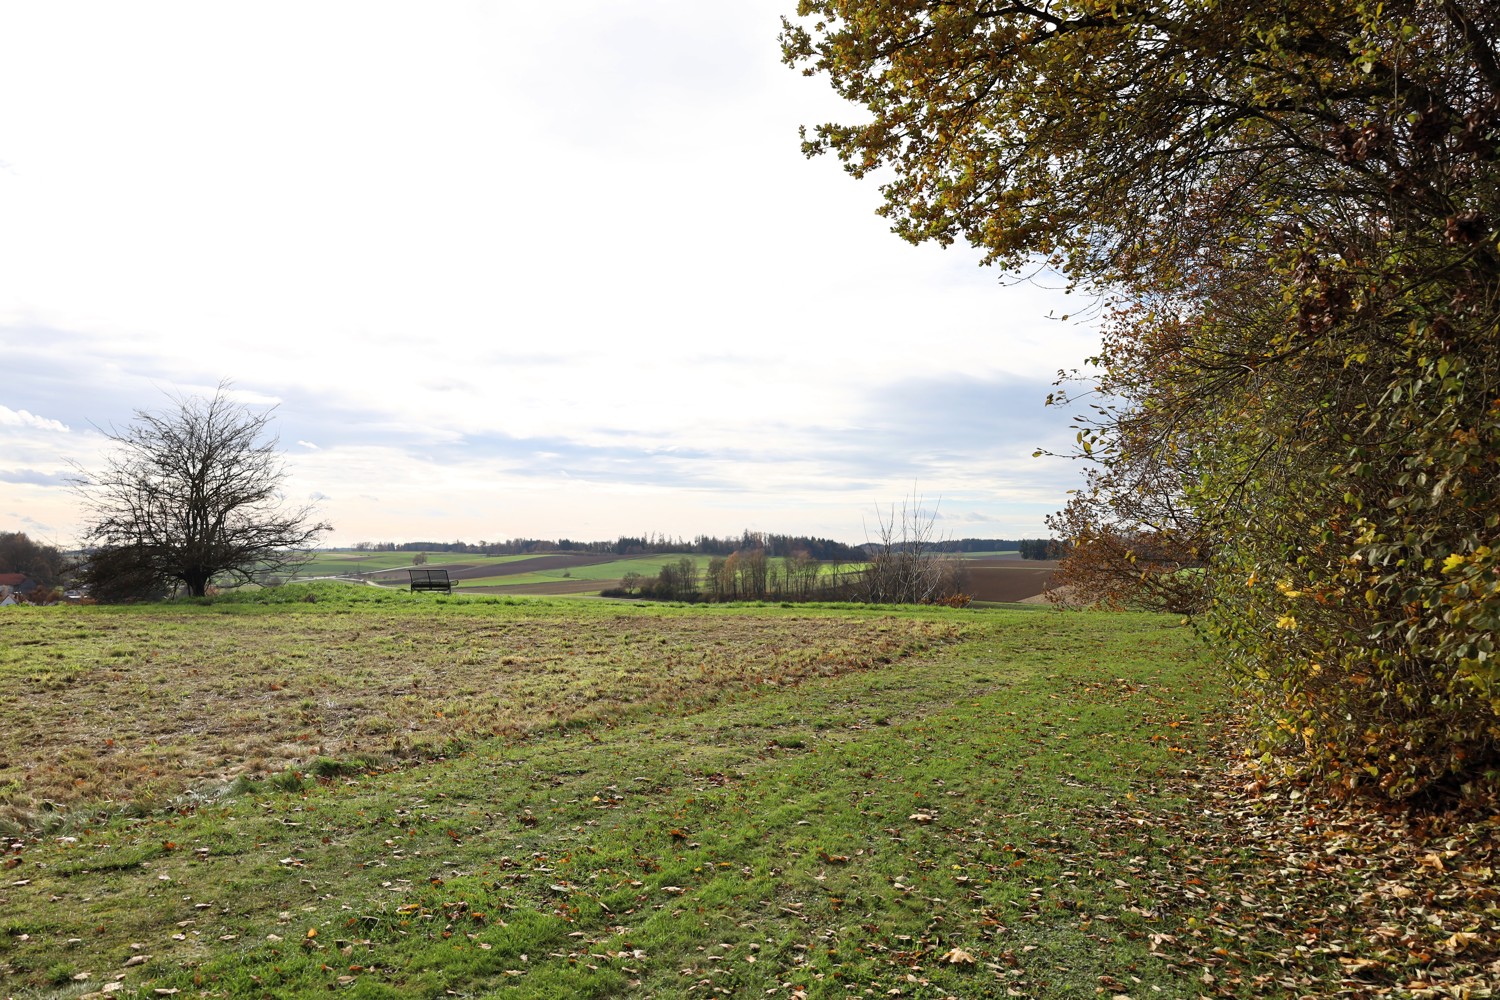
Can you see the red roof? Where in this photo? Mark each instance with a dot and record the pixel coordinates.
(12, 579)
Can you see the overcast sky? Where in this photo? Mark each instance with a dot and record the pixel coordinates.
(505, 269)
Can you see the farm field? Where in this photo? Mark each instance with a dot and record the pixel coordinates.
(994, 577)
(393, 796)
(542, 574)
(1006, 579)
(347, 562)
(597, 572)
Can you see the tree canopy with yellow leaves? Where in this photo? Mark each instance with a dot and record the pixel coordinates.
(1290, 212)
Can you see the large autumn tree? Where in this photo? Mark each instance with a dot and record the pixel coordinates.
(1291, 209)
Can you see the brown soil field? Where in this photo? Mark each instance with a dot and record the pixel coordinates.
(1007, 580)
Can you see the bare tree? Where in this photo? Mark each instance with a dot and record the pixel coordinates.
(906, 566)
(193, 492)
(754, 572)
(802, 572)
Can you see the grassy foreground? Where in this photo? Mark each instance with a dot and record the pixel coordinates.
(674, 802)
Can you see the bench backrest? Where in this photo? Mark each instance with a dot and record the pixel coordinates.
(428, 575)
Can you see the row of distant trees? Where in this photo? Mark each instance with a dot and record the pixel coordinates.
(1042, 548)
(905, 563)
(634, 545)
(746, 575)
(774, 546)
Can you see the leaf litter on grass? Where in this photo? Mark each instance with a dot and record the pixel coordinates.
(1276, 889)
(1400, 902)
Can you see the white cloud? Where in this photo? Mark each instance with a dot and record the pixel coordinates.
(21, 418)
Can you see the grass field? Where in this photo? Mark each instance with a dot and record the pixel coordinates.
(387, 796)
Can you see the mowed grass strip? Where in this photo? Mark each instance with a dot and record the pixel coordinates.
(122, 706)
(990, 817)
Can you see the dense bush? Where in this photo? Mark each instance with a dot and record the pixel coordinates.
(122, 575)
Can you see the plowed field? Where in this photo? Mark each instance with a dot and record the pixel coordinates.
(1008, 580)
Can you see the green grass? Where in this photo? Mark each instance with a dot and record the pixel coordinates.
(849, 802)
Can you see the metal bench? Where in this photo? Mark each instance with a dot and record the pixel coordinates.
(430, 579)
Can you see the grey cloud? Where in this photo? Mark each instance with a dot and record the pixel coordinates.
(555, 456)
(31, 524)
(31, 477)
(916, 429)
(907, 426)
(53, 372)
(76, 379)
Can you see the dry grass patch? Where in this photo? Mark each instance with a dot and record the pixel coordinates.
(141, 704)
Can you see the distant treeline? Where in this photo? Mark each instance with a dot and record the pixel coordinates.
(626, 545)
(774, 546)
(745, 575)
(1042, 548)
